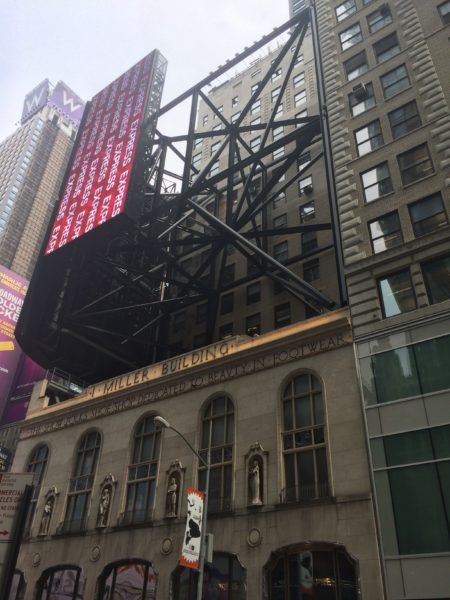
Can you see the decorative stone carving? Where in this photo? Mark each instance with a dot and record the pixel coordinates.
(256, 475)
(254, 483)
(106, 496)
(175, 475)
(47, 515)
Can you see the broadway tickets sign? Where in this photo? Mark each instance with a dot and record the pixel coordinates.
(190, 554)
(100, 169)
(12, 487)
(12, 293)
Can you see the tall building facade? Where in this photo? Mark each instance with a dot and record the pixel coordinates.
(386, 73)
(32, 164)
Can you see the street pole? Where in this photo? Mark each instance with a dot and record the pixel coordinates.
(206, 463)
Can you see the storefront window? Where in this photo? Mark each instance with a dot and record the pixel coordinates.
(322, 572)
(224, 579)
(131, 579)
(63, 582)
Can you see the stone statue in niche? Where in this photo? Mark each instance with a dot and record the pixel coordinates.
(172, 498)
(47, 515)
(103, 507)
(254, 482)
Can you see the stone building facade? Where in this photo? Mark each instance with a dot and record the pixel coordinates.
(110, 507)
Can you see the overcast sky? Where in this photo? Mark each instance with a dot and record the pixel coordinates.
(88, 43)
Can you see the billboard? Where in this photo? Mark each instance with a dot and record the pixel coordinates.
(99, 172)
(12, 293)
(66, 102)
(27, 374)
(35, 100)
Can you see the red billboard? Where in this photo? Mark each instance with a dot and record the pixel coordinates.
(100, 169)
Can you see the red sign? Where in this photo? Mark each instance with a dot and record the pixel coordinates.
(100, 169)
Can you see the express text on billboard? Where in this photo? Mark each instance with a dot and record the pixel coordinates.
(100, 170)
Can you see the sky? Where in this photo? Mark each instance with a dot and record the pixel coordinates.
(88, 43)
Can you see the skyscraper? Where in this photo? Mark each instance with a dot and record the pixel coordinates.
(386, 72)
(32, 164)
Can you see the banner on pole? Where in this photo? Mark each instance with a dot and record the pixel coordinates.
(190, 553)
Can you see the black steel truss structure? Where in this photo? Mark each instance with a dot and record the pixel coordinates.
(112, 303)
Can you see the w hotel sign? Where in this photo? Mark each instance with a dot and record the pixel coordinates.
(60, 97)
(35, 100)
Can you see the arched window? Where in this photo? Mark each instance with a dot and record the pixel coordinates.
(36, 465)
(142, 472)
(18, 586)
(218, 434)
(224, 579)
(304, 450)
(81, 483)
(62, 582)
(319, 571)
(132, 579)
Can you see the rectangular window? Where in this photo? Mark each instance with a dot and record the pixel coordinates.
(219, 109)
(385, 232)
(307, 212)
(311, 270)
(303, 160)
(427, 215)
(274, 94)
(300, 98)
(278, 133)
(253, 324)
(198, 142)
(376, 182)
(369, 138)
(278, 153)
(350, 36)
(436, 273)
(299, 60)
(298, 79)
(256, 121)
(280, 221)
(415, 164)
(196, 160)
(361, 99)
(279, 200)
(214, 169)
(397, 293)
(256, 106)
(386, 48)
(234, 101)
(356, 66)
(301, 115)
(345, 9)
(205, 120)
(379, 18)
(215, 147)
(280, 252)
(235, 117)
(279, 112)
(395, 81)
(254, 292)
(276, 74)
(404, 119)
(227, 303)
(255, 143)
(282, 315)
(309, 241)
(444, 12)
(305, 186)
(254, 88)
